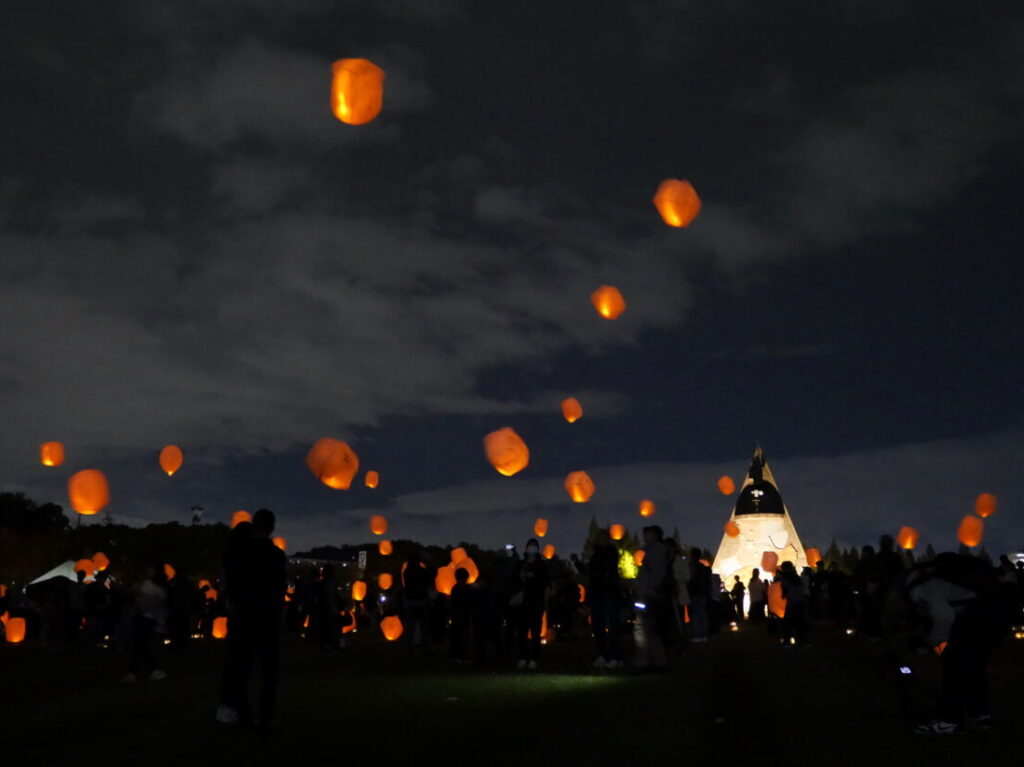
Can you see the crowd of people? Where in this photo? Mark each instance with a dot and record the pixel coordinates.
(955, 605)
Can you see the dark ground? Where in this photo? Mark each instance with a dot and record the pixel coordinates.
(741, 698)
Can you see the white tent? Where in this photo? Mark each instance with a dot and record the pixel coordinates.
(764, 526)
(65, 569)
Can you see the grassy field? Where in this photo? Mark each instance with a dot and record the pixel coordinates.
(740, 698)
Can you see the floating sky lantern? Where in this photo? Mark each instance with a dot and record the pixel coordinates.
(51, 453)
(239, 517)
(725, 485)
(580, 486)
(384, 581)
(444, 581)
(86, 566)
(985, 505)
(220, 627)
(813, 557)
(88, 491)
(638, 557)
(769, 562)
(677, 202)
(358, 591)
(907, 537)
(466, 563)
(333, 462)
(971, 530)
(15, 630)
(540, 527)
(391, 627)
(169, 571)
(372, 479)
(506, 451)
(384, 548)
(731, 529)
(378, 524)
(647, 508)
(203, 584)
(280, 542)
(211, 595)
(608, 301)
(101, 561)
(357, 90)
(776, 600)
(171, 459)
(617, 532)
(572, 410)
(549, 552)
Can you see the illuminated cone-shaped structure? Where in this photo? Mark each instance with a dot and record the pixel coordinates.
(764, 524)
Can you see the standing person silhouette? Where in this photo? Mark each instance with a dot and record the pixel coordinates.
(255, 581)
(533, 575)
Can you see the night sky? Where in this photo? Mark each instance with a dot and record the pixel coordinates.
(193, 250)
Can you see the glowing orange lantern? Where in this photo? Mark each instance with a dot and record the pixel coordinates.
(239, 517)
(646, 508)
(580, 486)
(444, 582)
(907, 537)
(211, 595)
(15, 628)
(971, 530)
(51, 453)
(87, 566)
(540, 527)
(357, 90)
(638, 557)
(572, 409)
(351, 626)
(378, 525)
(391, 627)
(985, 505)
(88, 491)
(100, 560)
(813, 557)
(171, 459)
(731, 529)
(583, 593)
(769, 561)
(506, 451)
(549, 552)
(677, 202)
(384, 548)
(280, 542)
(333, 462)
(725, 485)
(372, 479)
(608, 301)
(384, 581)
(467, 564)
(358, 591)
(776, 601)
(617, 532)
(220, 627)
(203, 584)
(169, 572)
(457, 554)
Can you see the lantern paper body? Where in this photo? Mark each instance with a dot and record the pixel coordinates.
(391, 627)
(333, 462)
(88, 491)
(985, 505)
(445, 579)
(549, 552)
(572, 410)
(617, 532)
(169, 572)
(357, 90)
(220, 627)
(971, 531)
(638, 557)
(358, 591)
(580, 486)
(100, 560)
(467, 564)
(732, 529)
(378, 525)
(211, 595)
(540, 527)
(776, 602)
(907, 537)
(677, 202)
(203, 584)
(280, 542)
(384, 581)
(813, 557)
(171, 459)
(769, 562)
(86, 566)
(384, 548)
(240, 516)
(457, 554)
(583, 593)
(608, 301)
(506, 451)
(725, 485)
(15, 630)
(372, 479)
(647, 508)
(51, 453)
